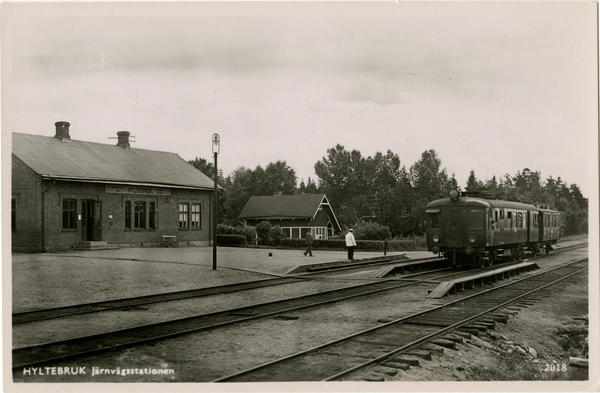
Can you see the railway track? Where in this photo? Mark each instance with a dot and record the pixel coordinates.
(37, 355)
(384, 343)
(125, 303)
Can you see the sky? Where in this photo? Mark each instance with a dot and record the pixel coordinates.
(491, 87)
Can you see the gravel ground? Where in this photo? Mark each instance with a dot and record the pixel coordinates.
(52, 280)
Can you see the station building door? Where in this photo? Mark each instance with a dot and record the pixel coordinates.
(91, 220)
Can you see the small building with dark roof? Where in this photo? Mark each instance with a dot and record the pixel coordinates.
(295, 214)
(72, 194)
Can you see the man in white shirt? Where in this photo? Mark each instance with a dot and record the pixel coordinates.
(350, 243)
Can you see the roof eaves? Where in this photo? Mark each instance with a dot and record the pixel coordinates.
(167, 185)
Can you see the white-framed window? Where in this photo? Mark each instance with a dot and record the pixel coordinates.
(183, 215)
(196, 215)
(318, 232)
(139, 215)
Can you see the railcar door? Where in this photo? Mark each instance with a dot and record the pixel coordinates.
(454, 232)
(501, 225)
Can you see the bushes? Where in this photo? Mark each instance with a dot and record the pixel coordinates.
(263, 231)
(371, 231)
(231, 240)
(247, 231)
(269, 235)
(362, 245)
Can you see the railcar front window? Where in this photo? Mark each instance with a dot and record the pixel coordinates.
(475, 219)
(434, 220)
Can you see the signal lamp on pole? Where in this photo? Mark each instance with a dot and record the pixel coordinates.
(216, 147)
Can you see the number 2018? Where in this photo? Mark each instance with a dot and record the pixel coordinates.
(555, 367)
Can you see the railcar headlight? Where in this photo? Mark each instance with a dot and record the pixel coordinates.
(436, 238)
(472, 239)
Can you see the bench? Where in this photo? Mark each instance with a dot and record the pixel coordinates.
(170, 241)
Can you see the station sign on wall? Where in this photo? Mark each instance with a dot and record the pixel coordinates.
(138, 190)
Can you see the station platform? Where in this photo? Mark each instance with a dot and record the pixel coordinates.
(488, 277)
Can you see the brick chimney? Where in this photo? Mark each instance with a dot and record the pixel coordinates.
(123, 139)
(62, 130)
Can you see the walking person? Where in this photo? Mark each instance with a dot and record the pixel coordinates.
(350, 243)
(309, 242)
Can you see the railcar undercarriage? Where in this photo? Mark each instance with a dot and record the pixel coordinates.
(491, 256)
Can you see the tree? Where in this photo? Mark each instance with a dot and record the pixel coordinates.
(578, 197)
(472, 183)
(385, 185)
(208, 169)
(310, 187)
(239, 186)
(244, 183)
(430, 182)
(343, 178)
(491, 186)
(279, 177)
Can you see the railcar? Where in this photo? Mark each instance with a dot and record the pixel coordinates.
(471, 229)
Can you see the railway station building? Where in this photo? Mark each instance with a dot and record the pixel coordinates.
(70, 194)
(295, 214)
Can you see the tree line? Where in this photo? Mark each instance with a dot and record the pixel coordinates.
(380, 190)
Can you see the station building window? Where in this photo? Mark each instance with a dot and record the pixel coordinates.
(13, 214)
(196, 215)
(127, 214)
(183, 215)
(140, 215)
(69, 214)
(152, 215)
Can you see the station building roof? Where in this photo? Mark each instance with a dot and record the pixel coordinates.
(72, 160)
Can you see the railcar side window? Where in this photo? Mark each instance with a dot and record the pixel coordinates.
(519, 220)
(434, 220)
(509, 219)
(476, 219)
